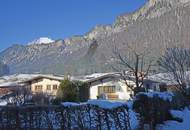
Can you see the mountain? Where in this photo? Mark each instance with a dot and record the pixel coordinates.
(158, 24)
(4, 69)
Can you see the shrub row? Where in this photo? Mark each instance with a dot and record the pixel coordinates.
(65, 118)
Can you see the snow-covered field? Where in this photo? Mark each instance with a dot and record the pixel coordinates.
(174, 125)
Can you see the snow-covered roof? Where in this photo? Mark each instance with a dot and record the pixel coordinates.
(13, 80)
(17, 79)
(97, 76)
(9, 84)
(166, 78)
(45, 76)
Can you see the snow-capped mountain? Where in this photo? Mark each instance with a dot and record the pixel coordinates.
(159, 24)
(41, 40)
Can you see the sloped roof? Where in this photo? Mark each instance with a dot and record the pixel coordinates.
(100, 76)
(166, 78)
(44, 76)
(18, 79)
(9, 84)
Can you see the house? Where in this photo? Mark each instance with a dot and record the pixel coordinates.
(11, 84)
(47, 84)
(151, 85)
(114, 86)
(167, 81)
(6, 89)
(36, 83)
(108, 86)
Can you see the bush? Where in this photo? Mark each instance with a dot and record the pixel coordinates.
(152, 110)
(80, 117)
(179, 101)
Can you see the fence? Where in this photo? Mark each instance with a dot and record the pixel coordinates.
(81, 117)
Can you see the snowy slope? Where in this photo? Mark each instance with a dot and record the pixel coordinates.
(42, 40)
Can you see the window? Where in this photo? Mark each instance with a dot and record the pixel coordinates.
(48, 87)
(106, 89)
(38, 87)
(55, 87)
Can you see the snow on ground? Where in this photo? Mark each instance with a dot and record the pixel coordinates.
(101, 103)
(174, 125)
(163, 95)
(3, 103)
(106, 104)
(69, 104)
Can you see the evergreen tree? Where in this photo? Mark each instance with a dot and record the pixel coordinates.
(67, 91)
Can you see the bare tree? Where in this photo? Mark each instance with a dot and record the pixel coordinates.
(176, 62)
(134, 66)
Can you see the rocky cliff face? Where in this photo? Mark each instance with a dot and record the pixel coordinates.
(157, 25)
(4, 69)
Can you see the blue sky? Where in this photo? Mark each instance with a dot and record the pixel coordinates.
(22, 21)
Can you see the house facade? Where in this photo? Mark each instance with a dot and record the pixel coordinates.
(152, 85)
(44, 84)
(109, 86)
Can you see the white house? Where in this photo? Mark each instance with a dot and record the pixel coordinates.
(108, 86)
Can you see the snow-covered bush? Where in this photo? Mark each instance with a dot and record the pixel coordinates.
(69, 116)
(153, 108)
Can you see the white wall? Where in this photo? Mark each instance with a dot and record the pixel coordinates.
(121, 89)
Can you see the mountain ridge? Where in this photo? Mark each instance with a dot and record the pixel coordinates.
(158, 24)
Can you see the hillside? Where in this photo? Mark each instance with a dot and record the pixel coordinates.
(158, 24)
